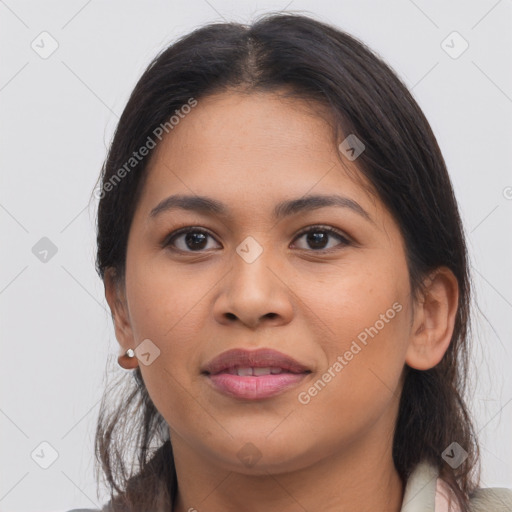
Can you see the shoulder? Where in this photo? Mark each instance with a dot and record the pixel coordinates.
(491, 499)
(424, 490)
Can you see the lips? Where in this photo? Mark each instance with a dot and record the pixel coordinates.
(253, 375)
(256, 362)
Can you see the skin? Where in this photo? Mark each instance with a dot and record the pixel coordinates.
(251, 151)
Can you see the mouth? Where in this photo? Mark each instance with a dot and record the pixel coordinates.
(254, 375)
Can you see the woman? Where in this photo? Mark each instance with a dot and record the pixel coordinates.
(286, 268)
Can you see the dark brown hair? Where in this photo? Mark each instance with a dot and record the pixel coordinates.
(313, 61)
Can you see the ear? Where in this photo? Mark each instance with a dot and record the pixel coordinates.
(116, 298)
(434, 320)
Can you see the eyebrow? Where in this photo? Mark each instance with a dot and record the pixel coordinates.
(208, 205)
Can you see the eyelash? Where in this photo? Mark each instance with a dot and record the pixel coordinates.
(169, 239)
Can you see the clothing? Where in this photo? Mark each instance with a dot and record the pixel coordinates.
(442, 500)
(426, 492)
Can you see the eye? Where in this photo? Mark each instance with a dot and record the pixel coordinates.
(194, 239)
(318, 238)
(189, 239)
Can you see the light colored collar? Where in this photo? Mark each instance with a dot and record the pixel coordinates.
(420, 489)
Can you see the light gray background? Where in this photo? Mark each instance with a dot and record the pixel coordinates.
(58, 115)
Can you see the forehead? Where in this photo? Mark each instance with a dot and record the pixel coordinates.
(250, 147)
(237, 129)
(265, 114)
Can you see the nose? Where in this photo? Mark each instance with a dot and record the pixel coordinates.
(253, 294)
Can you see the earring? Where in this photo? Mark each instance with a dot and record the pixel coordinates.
(128, 361)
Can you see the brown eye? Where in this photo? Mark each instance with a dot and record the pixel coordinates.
(318, 238)
(189, 239)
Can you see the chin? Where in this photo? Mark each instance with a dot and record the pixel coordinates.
(261, 455)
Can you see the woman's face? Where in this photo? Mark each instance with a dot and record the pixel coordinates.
(338, 304)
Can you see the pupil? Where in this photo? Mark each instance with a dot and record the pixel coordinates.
(193, 237)
(317, 236)
(197, 240)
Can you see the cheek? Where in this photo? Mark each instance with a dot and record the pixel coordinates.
(163, 302)
(367, 320)
(170, 305)
(350, 301)
(168, 308)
